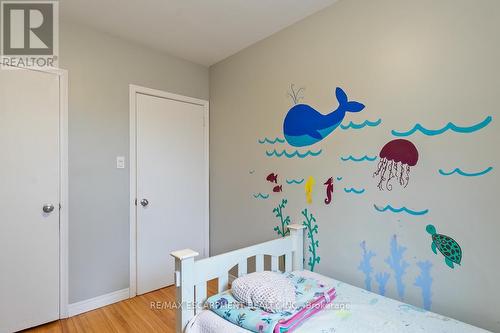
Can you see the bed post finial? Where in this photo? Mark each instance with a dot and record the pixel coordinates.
(184, 287)
(297, 235)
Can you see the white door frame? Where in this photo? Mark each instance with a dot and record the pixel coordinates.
(63, 185)
(134, 90)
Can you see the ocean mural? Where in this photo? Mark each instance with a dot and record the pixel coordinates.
(396, 159)
(448, 127)
(393, 167)
(304, 126)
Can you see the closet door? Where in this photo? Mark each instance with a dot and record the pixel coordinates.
(29, 199)
(172, 180)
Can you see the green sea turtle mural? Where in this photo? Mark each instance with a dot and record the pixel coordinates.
(446, 245)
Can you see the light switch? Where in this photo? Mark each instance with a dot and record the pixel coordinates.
(120, 162)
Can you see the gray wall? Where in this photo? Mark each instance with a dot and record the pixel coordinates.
(101, 68)
(427, 61)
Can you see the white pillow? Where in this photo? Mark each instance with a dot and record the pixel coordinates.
(270, 291)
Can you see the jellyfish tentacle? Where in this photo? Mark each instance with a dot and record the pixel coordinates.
(379, 166)
(401, 175)
(382, 172)
(391, 175)
(407, 175)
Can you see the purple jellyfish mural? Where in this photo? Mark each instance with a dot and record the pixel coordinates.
(396, 158)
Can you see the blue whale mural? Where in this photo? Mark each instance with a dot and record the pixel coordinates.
(304, 126)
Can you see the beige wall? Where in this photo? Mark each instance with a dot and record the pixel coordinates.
(101, 68)
(429, 62)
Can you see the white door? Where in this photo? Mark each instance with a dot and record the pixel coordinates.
(29, 180)
(172, 186)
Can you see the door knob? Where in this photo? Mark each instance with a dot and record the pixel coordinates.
(144, 202)
(48, 208)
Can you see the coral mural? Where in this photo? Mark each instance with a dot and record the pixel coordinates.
(365, 265)
(396, 159)
(312, 229)
(382, 279)
(398, 264)
(282, 229)
(424, 282)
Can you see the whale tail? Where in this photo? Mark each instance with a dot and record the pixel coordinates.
(344, 104)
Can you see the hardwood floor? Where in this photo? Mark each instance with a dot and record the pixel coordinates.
(145, 313)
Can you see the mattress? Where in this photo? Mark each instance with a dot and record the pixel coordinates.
(354, 310)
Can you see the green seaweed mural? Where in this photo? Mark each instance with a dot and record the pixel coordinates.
(285, 221)
(312, 229)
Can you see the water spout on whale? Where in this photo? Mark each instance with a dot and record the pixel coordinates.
(304, 126)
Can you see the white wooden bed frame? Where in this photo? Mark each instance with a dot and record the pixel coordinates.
(191, 276)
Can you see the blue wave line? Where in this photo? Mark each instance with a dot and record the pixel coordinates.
(450, 126)
(295, 153)
(340, 178)
(399, 210)
(358, 159)
(465, 174)
(361, 125)
(261, 196)
(353, 190)
(271, 141)
(295, 181)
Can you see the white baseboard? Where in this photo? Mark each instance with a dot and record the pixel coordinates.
(97, 302)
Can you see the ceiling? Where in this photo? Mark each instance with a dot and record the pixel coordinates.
(202, 31)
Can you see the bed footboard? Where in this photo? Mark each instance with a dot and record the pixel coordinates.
(191, 276)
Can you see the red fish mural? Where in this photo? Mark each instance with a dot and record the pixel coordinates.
(272, 177)
(329, 190)
(278, 188)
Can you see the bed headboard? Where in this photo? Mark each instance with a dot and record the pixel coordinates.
(191, 276)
